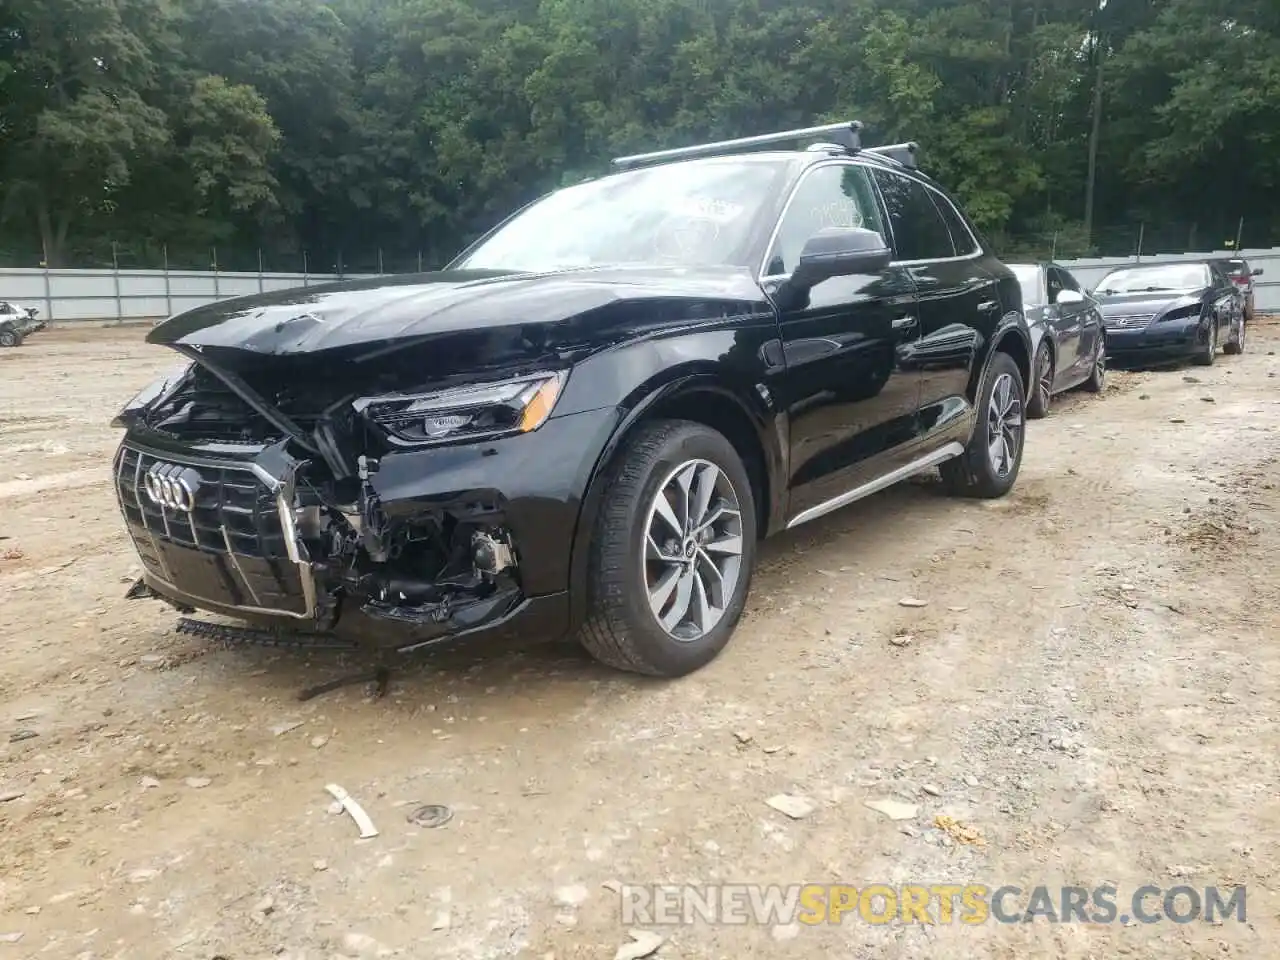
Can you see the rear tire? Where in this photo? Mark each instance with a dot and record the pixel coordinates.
(10, 338)
(646, 541)
(1042, 383)
(989, 465)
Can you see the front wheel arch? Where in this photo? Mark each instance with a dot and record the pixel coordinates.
(702, 399)
(1032, 385)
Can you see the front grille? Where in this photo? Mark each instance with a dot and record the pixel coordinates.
(230, 549)
(1127, 323)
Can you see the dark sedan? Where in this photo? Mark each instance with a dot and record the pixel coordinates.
(1242, 275)
(1171, 311)
(1067, 336)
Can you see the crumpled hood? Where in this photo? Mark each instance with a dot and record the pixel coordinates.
(1145, 304)
(335, 315)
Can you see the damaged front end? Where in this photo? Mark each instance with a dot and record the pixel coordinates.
(257, 490)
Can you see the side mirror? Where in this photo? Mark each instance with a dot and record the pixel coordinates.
(1066, 297)
(840, 252)
(1257, 272)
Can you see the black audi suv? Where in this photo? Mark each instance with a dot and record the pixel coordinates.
(1171, 311)
(586, 422)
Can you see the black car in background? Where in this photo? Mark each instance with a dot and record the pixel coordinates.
(586, 422)
(1171, 311)
(1242, 276)
(1068, 342)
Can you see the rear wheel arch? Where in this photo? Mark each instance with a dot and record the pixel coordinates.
(1010, 338)
(1015, 343)
(700, 398)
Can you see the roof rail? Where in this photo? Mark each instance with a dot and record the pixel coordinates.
(846, 134)
(903, 153)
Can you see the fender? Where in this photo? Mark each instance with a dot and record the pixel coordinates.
(1013, 322)
(775, 452)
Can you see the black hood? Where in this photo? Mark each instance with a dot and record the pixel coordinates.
(579, 306)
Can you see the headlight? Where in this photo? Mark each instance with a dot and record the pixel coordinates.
(479, 412)
(152, 393)
(1188, 312)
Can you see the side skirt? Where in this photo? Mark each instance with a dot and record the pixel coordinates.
(927, 462)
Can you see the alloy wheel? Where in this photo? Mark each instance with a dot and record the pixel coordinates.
(1044, 380)
(1004, 426)
(693, 549)
(1100, 367)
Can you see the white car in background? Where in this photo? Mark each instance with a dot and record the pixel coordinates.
(17, 322)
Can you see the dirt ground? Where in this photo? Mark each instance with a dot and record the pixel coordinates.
(1090, 690)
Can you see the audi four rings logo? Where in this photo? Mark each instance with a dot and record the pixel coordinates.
(172, 485)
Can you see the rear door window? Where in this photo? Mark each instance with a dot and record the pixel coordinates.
(919, 232)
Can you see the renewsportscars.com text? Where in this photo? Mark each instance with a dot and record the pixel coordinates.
(935, 903)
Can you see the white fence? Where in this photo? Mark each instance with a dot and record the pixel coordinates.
(114, 295)
(1266, 288)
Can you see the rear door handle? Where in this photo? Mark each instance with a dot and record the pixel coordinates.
(986, 306)
(903, 323)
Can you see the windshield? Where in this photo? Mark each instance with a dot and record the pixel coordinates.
(1172, 276)
(1029, 277)
(698, 213)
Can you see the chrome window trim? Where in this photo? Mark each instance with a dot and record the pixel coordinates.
(939, 196)
(977, 253)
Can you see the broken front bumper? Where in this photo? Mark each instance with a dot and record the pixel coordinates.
(231, 535)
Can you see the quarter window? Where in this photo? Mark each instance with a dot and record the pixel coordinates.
(961, 236)
(832, 195)
(919, 232)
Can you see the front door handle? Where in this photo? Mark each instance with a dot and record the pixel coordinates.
(986, 306)
(902, 324)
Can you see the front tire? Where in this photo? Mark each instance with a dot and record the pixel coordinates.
(1097, 381)
(1235, 343)
(989, 465)
(1042, 372)
(1209, 352)
(10, 338)
(672, 551)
